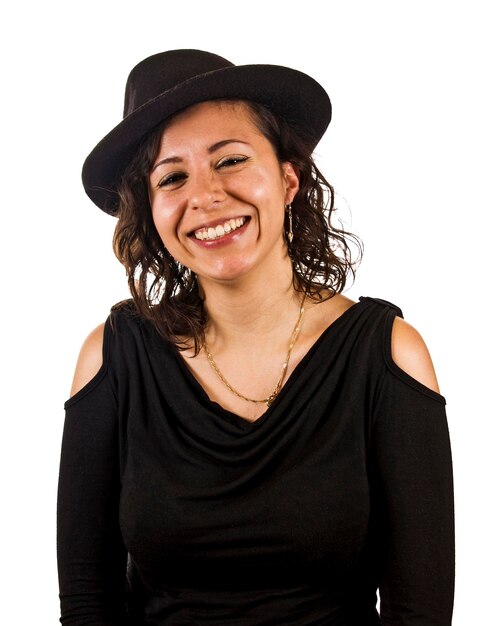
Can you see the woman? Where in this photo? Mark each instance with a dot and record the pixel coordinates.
(244, 444)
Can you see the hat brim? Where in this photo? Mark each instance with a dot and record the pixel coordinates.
(297, 97)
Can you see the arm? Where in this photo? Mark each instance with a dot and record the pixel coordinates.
(91, 555)
(414, 475)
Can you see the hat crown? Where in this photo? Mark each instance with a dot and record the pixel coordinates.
(164, 71)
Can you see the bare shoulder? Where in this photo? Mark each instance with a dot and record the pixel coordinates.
(342, 303)
(320, 314)
(332, 308)
(90, 359)
(411, 354)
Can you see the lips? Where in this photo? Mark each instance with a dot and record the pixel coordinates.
(211, 233)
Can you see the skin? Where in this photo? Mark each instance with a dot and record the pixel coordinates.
(213, 164)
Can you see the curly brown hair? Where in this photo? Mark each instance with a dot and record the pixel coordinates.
(167, 293)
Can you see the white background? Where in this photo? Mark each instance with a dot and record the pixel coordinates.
(411, 150)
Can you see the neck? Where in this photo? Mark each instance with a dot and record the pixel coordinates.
(250, 309)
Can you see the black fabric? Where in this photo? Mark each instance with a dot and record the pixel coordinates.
(342, 487)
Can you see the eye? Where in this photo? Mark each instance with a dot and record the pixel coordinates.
(171, 179)
(231, 160)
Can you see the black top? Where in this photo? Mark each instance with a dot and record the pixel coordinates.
(342, 487)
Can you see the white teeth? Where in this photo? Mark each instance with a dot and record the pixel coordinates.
(220, 230)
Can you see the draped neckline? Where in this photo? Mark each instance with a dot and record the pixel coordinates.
(243, 422)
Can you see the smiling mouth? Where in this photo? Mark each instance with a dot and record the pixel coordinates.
(220, 230)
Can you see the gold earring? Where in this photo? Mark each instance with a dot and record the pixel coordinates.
(290, 223)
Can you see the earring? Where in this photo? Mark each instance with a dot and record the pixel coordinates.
(290, 223)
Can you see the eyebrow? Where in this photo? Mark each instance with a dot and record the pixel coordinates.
(210, 150)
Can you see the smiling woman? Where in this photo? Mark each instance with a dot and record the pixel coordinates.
(321, 253)
(243, 444)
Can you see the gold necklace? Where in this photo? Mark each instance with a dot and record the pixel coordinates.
(269, 399)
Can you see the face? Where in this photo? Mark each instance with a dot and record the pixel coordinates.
(218, 193)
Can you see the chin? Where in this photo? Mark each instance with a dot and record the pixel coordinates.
(227, 272)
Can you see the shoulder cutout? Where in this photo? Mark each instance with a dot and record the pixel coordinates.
(410, 353)
(90, 359)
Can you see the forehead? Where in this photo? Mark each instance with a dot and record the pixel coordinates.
(211, 117)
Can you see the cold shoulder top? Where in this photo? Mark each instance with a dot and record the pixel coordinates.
(172, 510)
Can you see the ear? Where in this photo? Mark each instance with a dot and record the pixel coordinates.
(291, 180)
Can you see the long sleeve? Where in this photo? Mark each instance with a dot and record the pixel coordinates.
(91, 555)
(415, 491)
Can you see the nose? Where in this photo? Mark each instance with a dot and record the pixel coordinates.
(205, 190)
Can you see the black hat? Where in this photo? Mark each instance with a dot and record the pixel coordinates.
(168, 82)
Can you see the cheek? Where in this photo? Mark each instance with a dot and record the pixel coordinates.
(165, 220)
(158, 220)
(261, 188)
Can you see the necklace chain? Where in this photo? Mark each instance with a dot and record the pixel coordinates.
(276, 390)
